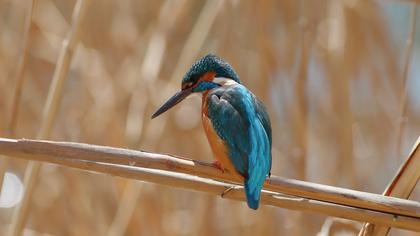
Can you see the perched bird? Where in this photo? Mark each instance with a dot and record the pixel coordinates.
(236, 123)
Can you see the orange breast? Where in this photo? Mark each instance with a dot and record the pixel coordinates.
(216, 143)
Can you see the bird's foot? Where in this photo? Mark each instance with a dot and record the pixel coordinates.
(219, 166)
(228, 190)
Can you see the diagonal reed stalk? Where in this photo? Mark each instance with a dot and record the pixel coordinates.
(197, 37)
(401, 186)
(200, 176)
(49, 113)
(405, 180)
(150, 68)
(191, 48)
(21, 70)
(18, 86)
(335, 226)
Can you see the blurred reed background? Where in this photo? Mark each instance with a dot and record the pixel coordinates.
(335, 76)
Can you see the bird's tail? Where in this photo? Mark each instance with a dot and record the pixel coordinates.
(252, 191)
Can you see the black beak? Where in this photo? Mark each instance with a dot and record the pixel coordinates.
(177, 98)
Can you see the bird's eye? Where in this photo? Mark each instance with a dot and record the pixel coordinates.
(187, 85)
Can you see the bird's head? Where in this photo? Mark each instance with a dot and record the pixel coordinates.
(207, 73)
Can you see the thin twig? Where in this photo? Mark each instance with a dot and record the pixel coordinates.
(385, 210)
(49, 114)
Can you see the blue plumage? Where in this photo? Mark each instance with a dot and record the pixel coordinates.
(236, 122)
(203, 86)
(209, 63)
(242, 123)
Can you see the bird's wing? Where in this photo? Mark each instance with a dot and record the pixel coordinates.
(265, 120)
(232, 126)
(239, 121)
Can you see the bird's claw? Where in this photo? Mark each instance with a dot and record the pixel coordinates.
(219, 166)
(228, 190)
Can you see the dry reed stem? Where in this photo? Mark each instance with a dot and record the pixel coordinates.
(190, 50)
(332, 226)
(300, 110)
(407, 60)
(47, 150)
(300, 117)
(4, 164)
(125, 163)
(20, 71)
(48, 116)
(401, 186)
(196, 38)
(339, 80)
(18, 87)
(407, 176)
(151, 66)
(126, 207)
(149, 71)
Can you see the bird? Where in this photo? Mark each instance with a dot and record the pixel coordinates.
(236, 122)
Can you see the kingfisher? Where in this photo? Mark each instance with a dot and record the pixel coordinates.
(235, 121)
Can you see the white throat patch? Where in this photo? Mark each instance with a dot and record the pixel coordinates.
(225, 82)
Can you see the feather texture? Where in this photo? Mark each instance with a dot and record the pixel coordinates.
(241, 121)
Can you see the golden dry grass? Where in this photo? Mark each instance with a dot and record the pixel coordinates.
(331, 72)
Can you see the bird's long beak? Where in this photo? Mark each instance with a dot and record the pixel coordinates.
(175, 99)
